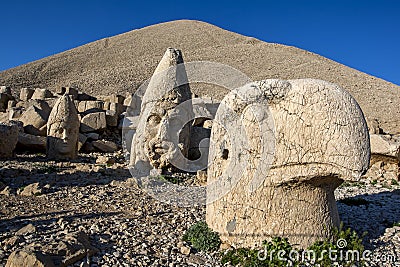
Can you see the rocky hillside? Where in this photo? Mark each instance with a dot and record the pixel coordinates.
(121, 63)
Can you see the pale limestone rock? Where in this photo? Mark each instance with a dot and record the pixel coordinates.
(63, 130)
(68, 91)
(42, 94)
(40, 104)
(160, 127)
(114, 99)
(279, 151)
(105, 146)
(199, 144)
(385, 145)
(7, 191)
(93, 122)
(111, 118)
(4, 98)
(31, 190)
(26, 258)
(14, 113)
(11, 104)
(35, 120)
(26, 94)
(4, 117)
(8, 139)
(90, 106)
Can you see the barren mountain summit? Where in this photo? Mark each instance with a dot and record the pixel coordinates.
(121, 63)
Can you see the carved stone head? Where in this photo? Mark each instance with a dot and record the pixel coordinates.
(161, 132)
(284, 148)
(63, 130)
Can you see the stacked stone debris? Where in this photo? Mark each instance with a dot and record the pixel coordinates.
(100, 119)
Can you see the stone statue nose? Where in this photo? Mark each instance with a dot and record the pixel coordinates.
(162, 133)
(65, 135)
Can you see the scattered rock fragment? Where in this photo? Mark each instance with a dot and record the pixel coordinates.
(31, 142)
(105, 146)
(26, 94)
(42, 94)
(283, 153)
(28, 229)
(8, 139)
(26, 258)
(93, 122)
(90, 106)
(31, 190)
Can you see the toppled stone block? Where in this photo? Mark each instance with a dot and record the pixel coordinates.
(5, 90)
(42, 94)
(35, 120)
(11, 104)
(203, 109)
(8, 139)
(93, 122)
(90, 106)
(26, 94)
(105, 146)
(25, 258)
(72, 92)
(117, 107)
(14, 113)
(31, 142)
(111, 118)
(40, 104)
(4, 117)
(113, 99)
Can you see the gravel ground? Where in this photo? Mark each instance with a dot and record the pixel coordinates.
(130, 228)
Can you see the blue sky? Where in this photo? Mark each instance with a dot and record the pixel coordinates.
(363, 34)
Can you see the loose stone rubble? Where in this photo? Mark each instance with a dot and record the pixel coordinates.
(8, 139)
(156, 142)
(63, 130)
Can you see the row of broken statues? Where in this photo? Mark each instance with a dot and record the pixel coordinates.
(62, 132)
(278, 150)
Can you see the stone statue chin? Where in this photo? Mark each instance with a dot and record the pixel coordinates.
(63, 130)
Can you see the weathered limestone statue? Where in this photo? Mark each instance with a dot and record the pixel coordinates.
(63, 130)
(161, 133)
(280, 150)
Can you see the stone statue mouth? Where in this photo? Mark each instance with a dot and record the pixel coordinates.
(160, 148)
